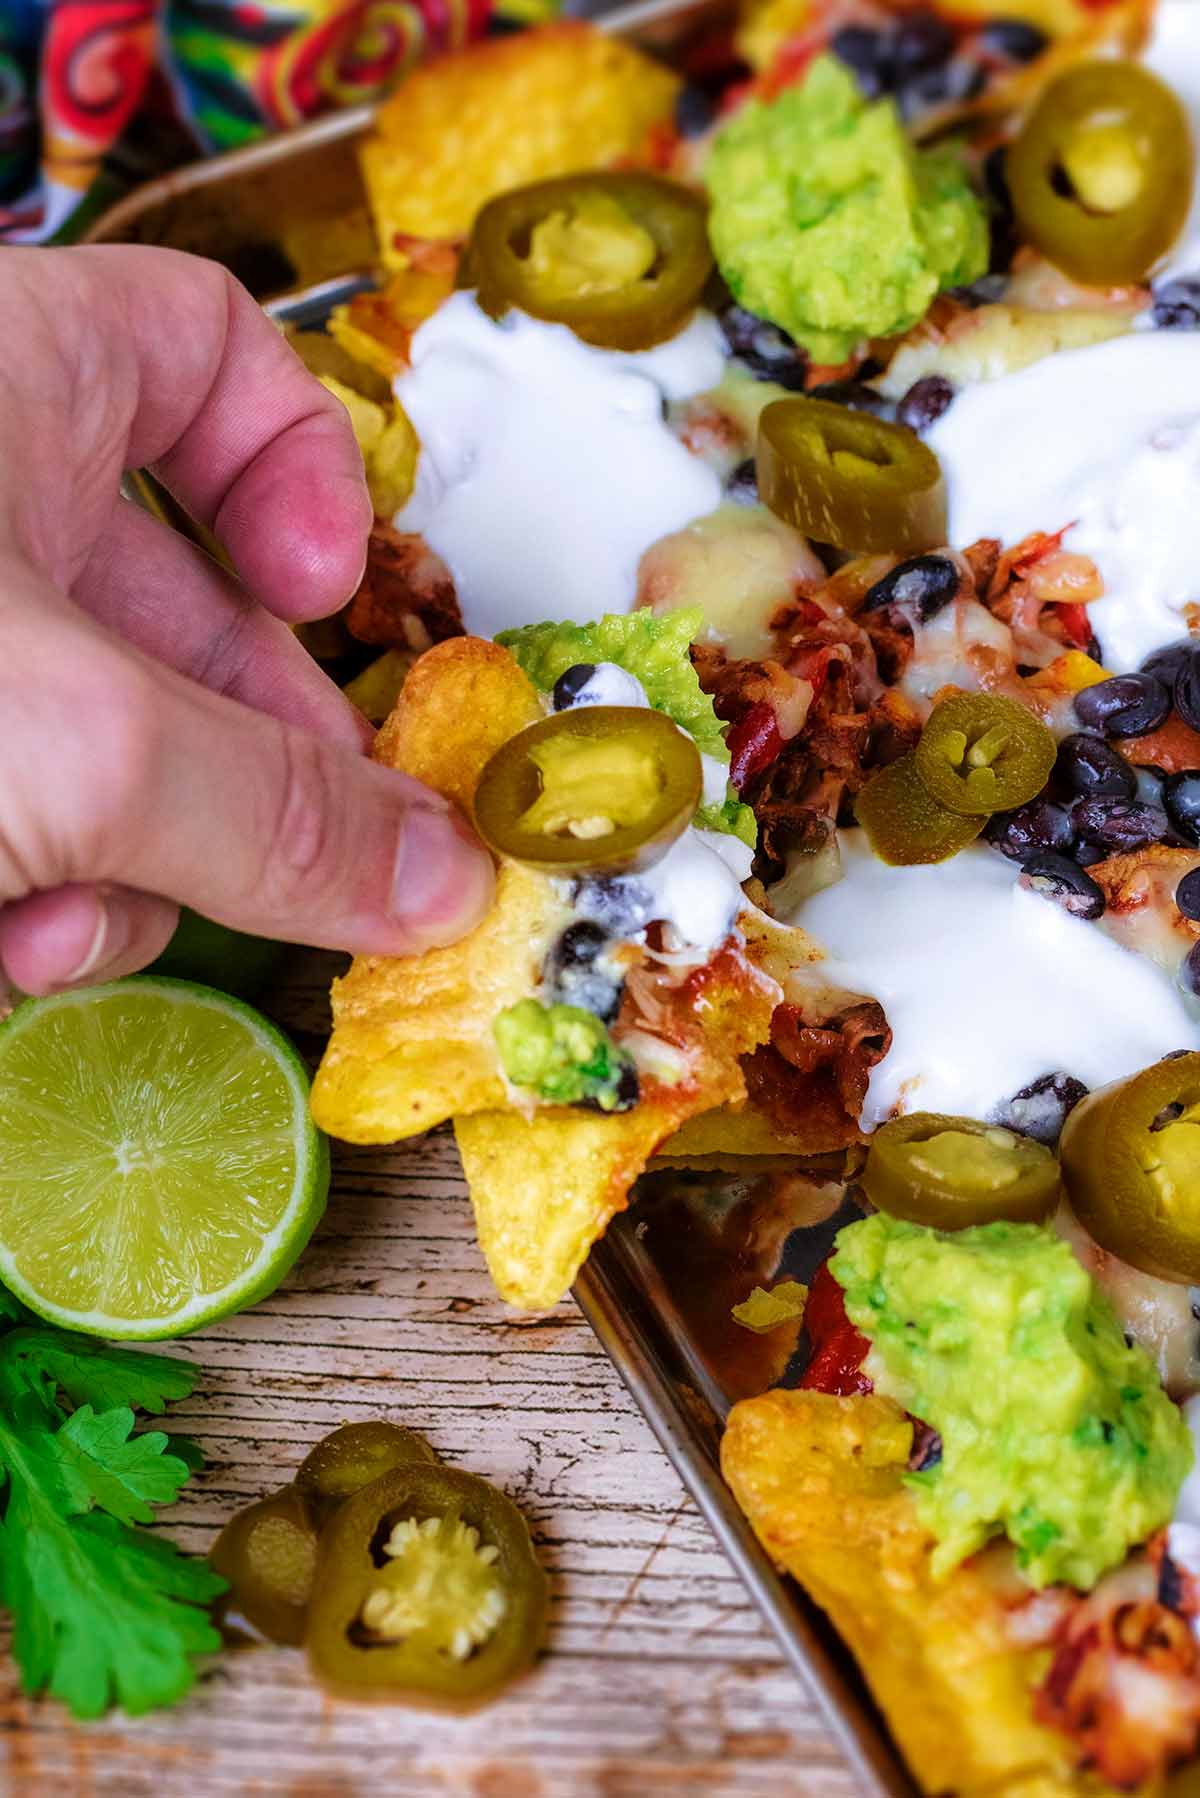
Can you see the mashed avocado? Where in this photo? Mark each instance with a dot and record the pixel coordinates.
(564, 1055)
(1055, 1432)
(654, 650)
(828, 222)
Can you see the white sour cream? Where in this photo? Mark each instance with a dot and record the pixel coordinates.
(1106, 440)
(695, 890)
(986, 986)
(546, 466)
(1174, 56)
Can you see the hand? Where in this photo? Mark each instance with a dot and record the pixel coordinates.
(164, 739)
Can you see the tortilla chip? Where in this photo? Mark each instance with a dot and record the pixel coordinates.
(731, 1132)
(500, 114)
(412, 1035)
(820, 1479)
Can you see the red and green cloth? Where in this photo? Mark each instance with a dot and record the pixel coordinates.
(81, 80)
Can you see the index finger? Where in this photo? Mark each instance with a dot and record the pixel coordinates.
(224, 411)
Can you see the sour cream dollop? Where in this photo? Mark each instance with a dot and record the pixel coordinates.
(1106, 440)
(547, 467)
(695, 889)
(986, 986)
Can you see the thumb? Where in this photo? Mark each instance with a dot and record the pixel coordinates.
(162, 786)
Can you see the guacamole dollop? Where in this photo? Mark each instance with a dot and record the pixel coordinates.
(828, 222)
(1055, 1431)
(653, 647)
(563, 1055)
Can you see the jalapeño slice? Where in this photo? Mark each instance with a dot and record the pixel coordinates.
(352, 1457)
(1101, 174)
(980, 753)
(427, 1587)
(1131, 1165)
(597, 788)
(619, 257)
(905, 824)
(849, 479)
(951, 1172)
(268, 1553)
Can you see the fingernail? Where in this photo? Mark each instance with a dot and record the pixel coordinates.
(110, 940)
(444, 879)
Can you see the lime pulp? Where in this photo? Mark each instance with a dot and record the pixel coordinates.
(159, 1167)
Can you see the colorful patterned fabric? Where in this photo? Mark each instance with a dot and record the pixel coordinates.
(76, 74)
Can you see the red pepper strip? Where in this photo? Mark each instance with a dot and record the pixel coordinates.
(1075, 625)
(754, 743)
(839, 1350)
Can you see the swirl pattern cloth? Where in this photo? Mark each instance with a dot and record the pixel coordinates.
(156, 80)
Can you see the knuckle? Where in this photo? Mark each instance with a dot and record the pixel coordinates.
(301, 848)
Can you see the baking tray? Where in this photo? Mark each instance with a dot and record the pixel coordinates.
(289, 217)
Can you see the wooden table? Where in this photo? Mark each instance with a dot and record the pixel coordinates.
(659, 1677)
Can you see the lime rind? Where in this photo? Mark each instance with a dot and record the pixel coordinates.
(277, 1062)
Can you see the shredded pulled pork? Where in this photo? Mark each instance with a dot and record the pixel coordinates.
(1124, 1683)
(406, 599)
(809, 1071)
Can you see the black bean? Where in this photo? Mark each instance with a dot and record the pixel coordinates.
(622, 905)
(694, 111)
(1189, 972)
(1164, 663)
(948, 85)
(743, 484)
(1057, 877)
(1042, 1108)
(1015, 39)
(575, 974)
(1181, 796)
(869, 54)
(1038, 825)
(1187, 895)
(924, 402)
(926, 1448)
(768, 352)
(579, 945)
(1086, 766)
(1176, 306)
(1187, 687)
(1171, 1590)
(923, 583)
(855, 395)
(1119, 826)
(921, 41)
(570, 685)
(1128, 705)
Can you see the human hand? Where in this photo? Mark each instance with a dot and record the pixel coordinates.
(164, 738)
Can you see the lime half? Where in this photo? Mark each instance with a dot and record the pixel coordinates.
(158, 1164)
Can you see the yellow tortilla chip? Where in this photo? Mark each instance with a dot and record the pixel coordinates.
(820, 1479)
(412, 1035)
(502, 113)
(544, 1188)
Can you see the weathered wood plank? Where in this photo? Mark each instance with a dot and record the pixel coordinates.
(659, 1677)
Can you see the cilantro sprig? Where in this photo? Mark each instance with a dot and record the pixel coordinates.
(103, 1611)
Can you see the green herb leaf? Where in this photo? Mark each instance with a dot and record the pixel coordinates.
(92, 1373)
(103, 1614)
(123, 1474)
